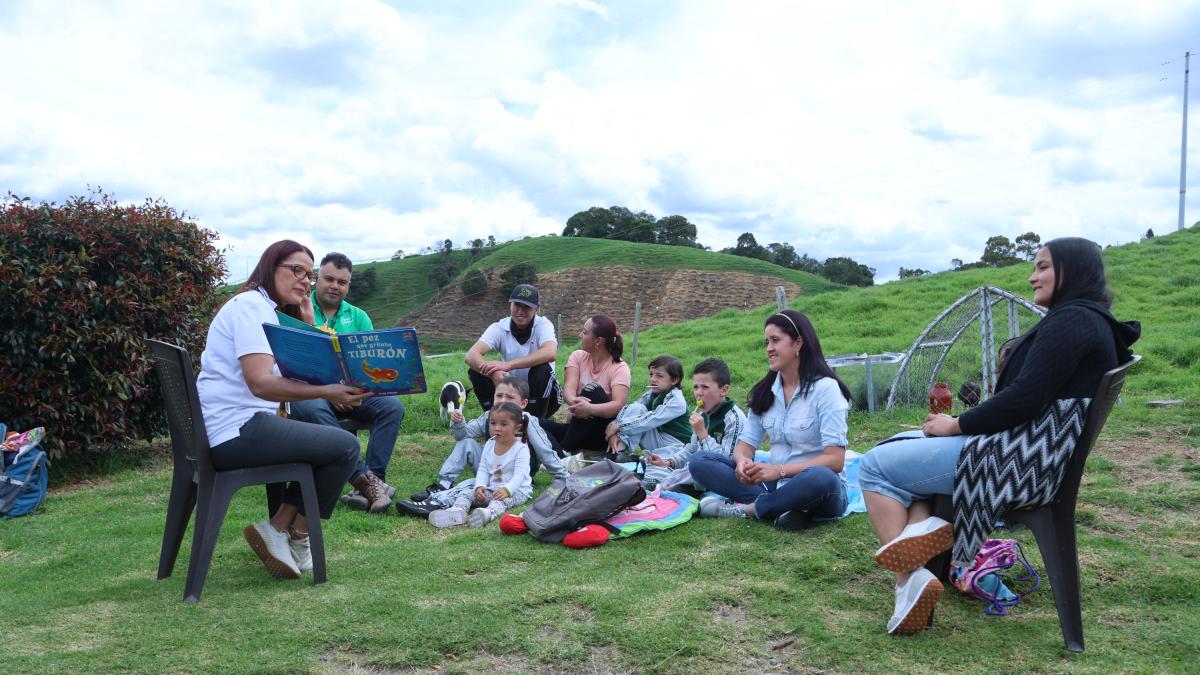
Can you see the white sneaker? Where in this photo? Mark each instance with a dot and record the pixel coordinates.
(447, 517)
(301, 553)
(480, 517)
(916, 545)
(271, 546)
(915, 600)
(718, 507)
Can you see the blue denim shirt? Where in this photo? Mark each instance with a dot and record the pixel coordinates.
(801, 428)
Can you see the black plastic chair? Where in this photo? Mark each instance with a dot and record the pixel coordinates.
(1053, 525)
(196, 484)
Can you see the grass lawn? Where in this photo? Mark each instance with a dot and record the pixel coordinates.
(77, 587)
(724, 596)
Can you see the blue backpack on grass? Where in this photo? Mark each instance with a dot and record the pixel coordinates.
(24, 478)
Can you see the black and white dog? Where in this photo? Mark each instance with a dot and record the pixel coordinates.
(454, 395)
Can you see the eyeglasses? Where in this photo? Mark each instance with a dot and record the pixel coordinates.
(300, 271)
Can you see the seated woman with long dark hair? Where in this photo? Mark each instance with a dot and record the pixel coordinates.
(240, 391)
(801, 406)
(595, 387)
(1009, 452)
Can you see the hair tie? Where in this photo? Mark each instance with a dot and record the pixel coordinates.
(789, 321)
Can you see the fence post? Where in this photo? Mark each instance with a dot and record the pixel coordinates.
(637, 320)
(558, 328)
(781, 298)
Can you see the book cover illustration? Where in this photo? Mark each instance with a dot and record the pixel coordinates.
(384, 362)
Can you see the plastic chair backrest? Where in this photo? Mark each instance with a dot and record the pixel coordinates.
(1102, 404)
(189, 439)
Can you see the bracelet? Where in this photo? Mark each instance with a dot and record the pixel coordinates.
(782, 475)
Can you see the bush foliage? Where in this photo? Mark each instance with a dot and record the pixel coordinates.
(85, 282)
(473, 283)
(521, 273)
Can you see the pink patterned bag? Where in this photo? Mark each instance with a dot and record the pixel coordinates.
(983, 580)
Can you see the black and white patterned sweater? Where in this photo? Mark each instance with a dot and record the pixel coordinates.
(1021, 439)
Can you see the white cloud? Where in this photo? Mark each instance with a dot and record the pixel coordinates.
(897, 135)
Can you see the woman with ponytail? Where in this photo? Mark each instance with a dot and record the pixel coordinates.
(801, 406)
(595, 387)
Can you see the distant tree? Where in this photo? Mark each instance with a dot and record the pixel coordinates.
(491, 241)
(843, 270)
(807, 264)
(596, 222)
(675, 231)
(618, 222)
(398, 255)
(906, 273)
(783, 255)
(521, 273)
(748, 247)
(1027, 245)
(447, 246)
(473, 283)
(1149, 234)
(956, 263)
(999, 252)
(362, 284)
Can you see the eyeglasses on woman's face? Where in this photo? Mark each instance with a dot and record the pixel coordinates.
(300, 271)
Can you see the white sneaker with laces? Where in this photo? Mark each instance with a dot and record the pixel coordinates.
(447, 517)
(301, 553)
(481, 516)
(915, 600)
(916, 545)
(718, 507)
(271, 546)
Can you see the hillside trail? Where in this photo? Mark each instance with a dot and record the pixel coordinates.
(667, 296)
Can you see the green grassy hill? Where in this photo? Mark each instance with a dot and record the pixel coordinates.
(403, 284)
(1153, 282)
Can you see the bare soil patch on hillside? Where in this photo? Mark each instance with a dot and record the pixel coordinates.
(667, 296)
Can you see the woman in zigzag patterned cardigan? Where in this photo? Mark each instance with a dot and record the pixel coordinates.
(1009, 452)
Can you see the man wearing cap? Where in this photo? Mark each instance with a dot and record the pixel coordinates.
(527, 347)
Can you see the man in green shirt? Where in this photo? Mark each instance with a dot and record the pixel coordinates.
(383, 413)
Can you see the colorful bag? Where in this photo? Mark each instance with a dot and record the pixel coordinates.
(23, 474)
(983, 580)
(586, 497)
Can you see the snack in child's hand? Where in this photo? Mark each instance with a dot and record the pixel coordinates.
(699, 405)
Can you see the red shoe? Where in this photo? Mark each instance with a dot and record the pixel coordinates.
(513, 524)
(587, 536)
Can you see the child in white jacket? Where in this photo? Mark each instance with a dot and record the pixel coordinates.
(657, 422)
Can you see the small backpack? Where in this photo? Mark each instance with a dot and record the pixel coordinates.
(983, 579)
(585, 497)
(24, 478)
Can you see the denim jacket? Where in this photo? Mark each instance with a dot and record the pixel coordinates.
(800, 429)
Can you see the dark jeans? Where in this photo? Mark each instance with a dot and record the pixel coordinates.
(383, 413)
(580, 434)
(816, 490)
(270, 439)
(543, 390)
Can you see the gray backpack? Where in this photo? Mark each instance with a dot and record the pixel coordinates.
(585, 497)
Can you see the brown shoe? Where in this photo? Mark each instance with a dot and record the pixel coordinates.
(375, 490)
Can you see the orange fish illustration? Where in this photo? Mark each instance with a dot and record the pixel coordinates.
(379, 374)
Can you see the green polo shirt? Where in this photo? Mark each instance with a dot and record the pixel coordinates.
(348, 319)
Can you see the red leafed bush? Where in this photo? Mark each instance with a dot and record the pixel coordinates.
(83, 283)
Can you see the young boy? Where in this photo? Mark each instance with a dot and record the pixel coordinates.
(658, 421)
(716, 423)
(471, 435)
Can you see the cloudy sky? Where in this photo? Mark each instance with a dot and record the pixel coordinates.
(896, 135)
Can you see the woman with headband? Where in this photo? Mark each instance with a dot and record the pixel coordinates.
(595, 387)
(801, 406)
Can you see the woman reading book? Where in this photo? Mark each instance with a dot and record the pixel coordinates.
(240, 392)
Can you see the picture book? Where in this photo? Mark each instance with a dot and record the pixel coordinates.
(384, 362)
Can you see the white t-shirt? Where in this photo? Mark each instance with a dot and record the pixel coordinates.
(499, 338)
(225, 401)
(510, 470)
